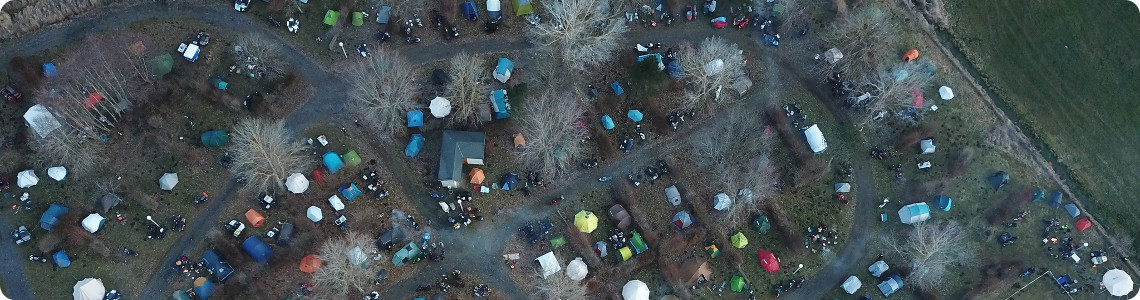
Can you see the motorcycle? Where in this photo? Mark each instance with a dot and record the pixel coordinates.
(740, 21)
(690, 12)
(413, 40)
(179, 222)
(383, 36)
(651, 173)
(37, 258)
(202, 199)
(634, 180)
(363, 49)
(605, 178)
(273, 21)
(640, 133)
(590, 164)
(130, 252)
(663, 166)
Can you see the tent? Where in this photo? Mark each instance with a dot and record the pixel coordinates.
(926, 146)
(577, 269)
(549, 264)
(910, 55)
(520, 140)
(522, 7)
(357, 18)
(297, 183)
(49, 69)
(406, 254)
(331, 17)
(168, 181)
(638, 243)
(1055, 199)
(391, 238)
(736, 283)
(259, 251)
(310, 263)
(510, 181)
(255, 218)
(26, 179)
(712, 251)
(219, 83)
(318, 177)
(351, 158)
(832, 55)
(761, 224)
(51, 216)
(739, 240)
(673, 69)
(618, 90)
(916, 98)
(61, 259)
(1072, 210)
(88, 289)
(494, 9)
(890, 285)
(336, 203)
(215, 138)
(1039, 195)
(440, 107)
(1117, 282)
(943, 203)
(216, 265)
(333, 162)
(852, 285)
(383, 14)
(607, 122)
(93, 222)
(204, 287)
(999, 179)
(673, 195)
(722, 202)
(285, 235)
(768, 261)
(815, 139)
(878, 268)
(161, 64)
(314, 214)
(625, 252)
(58, 173)
(499, 104)
(1083, 224)
(634, 115)
(414, 145)
(459, 148)
(620, 215)
(503, 69)
(357, 258)
(586, 221)
(600, 249)
(107, 201)
(719, 22)
(634, 289)
(477, 176)
(682, 220)
(842, 187)
(177, 295)
(41, 120)
(694, 270)
(946, 93)
(415, 118)
(470, 11)
(914, 213)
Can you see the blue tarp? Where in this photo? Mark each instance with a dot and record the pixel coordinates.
(216, 265)
(499, 103)
(333, 162)
(943, 203)
(655, 56)
(673, 69)
(617, 88)
(504, 69)
(205, 290)
(49, 69)
(382, 15)
(510, 181)
(1072, 210)
(890, 285)
(51, 216)
(1055, 199)
(469, 11)
(61, 259)
(259, 251)
(607, 122)
(634, 115)
(415, 118)
(350, 192)
(414, 145)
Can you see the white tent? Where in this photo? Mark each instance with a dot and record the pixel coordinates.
(89, 289)
(714, 66)
(927, 146)
(914, 213)
(26, 179)
(297, 183)
(356, 257)
(336, 203)
(168, 181)
(576, 269)
(315, 214)
(842, 187)
(93, 222)
(815, 139)
(493, 5)
(58, 173)
(946, 93)
(41, 120)
(673, 195)
(635, 290)
(1117, 282)
(440, 107)
(832, 55)
(852, 284)
(722, 201)
(549, 263)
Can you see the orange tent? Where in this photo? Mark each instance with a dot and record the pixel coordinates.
(477, 176)
(519, 140)
(255, 218)
(911, 54)
(310, 264)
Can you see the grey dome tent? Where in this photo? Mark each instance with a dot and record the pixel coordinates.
(168, 181)
(682, 220)
(878, 268)
(673, 195)
(107, 201)
(1072, 210)
(999, 179)
(1055, 199)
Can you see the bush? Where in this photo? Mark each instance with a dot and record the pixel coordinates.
(1016, 202)
(909, 141)
(645, 77)
(960, 162)
(789, 231)
(28, 73)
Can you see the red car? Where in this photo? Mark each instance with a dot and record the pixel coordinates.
(10, 93)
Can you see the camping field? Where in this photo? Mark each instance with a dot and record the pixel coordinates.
(1062, 68)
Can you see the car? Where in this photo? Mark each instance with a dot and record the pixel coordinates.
(627, 144)
(10, 93)
(241, 5)
(21, 235)
(235, 226)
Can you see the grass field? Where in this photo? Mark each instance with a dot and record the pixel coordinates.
(1063, 68)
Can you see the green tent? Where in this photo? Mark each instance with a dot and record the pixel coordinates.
(739, 240)
(1039, 195)
(638, 243)
(357, 18)
(219, 83)
(351, 158)
(737, 283)
(330, 17)
(522, 7)
(762, 224)
(161, 64)
(215, 138)
(558, 241)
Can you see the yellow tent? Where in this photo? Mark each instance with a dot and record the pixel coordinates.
(625, 253)
(739, 240)
(477, 176)
(586, 221)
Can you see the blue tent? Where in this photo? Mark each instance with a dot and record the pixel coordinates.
(333, 162)
(61, 259)
(469, 11)
(890, 285)
(415, 118)
(607, 122)
(49, 69)
(617, 88)
(499, 103)
(205, 290)
(1055, 199)
(1073, 210)
(673, 69)
(51, 216)
(914, 213)
(384, 14)
(634, 115)
(504, 69)
(216, 265)
(943, 203)
(414, 145)
(350, 192)
(256, 249)
(510, 181)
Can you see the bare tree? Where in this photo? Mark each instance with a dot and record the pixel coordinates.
(265, 153)
(707, 69)
(732, 139)
(405, 9)
(553, 141)
(559, 287)
(864, 35)
(347, 265)
(733, 151)
(890, 88)
(92, 95)
(466, 89)
(931, 249)
(256, 53)
(754, 182)
(80, 155)
(383, 91)
(580, 32)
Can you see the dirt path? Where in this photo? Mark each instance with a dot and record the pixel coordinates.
(15, 283)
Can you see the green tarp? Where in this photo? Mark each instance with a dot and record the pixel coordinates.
(522, 7)
(762, 224)
(351, 158)
(357, 18)
(215, 138)
(330, 17)
(161, 64)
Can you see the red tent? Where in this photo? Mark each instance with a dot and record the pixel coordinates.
(769, 261)
(319, 177)
(719, 22)
(92, 99)
(917, 97)
(1083, 224)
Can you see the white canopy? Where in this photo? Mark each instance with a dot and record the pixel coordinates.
(168, 181)
(714, 66)
(57, 173)
(722, 201)
(946, 93)
(549, 263)
(815, 139)
(635, 290)
(336, 203)
(315, 214)
(297, 183)
(26, 179)
(852, 284)
(356, 257)
(927, 146)
(493, 5)
(41, 120)
(93, 222)
(89, 289)
(576, 269)
(440, 107)
(842, 187)
(1117, 282)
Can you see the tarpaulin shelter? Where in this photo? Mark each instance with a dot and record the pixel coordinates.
(1083, 224)
(61, 259)
(204, 287)
(549, 264)
(914, 213)
(694, 270)
(285, 235)
(637, 242)
(470, 12)
(351, 158)
(878, 268)
(357, 18)
(656, 57)
(577, 269)
(216, 265)
(168, 181)
(520, 140)
(414, 145)
(93, 222)
(510, 181)
(51, 216)
(926, 146)
(331, 17)
(310, 264)
(761, 224)
(332, 161)
(739, 240)
(852, 285)
(721, 201)
(618, 90)
(215, 138)
(477, 176)
(736, 283)
(255, 218)
(522, 7)
(673, 195)
(49, 69)
(41, 120)
(946, 93)
(297, 183)
(107, 201)
(842, 187)
(26, 179)
(503, 69)
(607, 122)
(815, 139)
(391, 238)
(440, 107)
(910, 55)
(999, 180)
(499, 104)
(494, 9)
(88, 289)
(1117, 282)
(256, 249)
(336, 203)
(620, 215)
(161, 64)
(586, 221)
(58, 173)
(92, 99)
(768, 260)
(406, 254)
(943, 203)
(673, 69)
(600, 249)
(415, 118)
(1055, 199)
(682, 219)
(459, 148)
(383, 14)
(1072, 210)
(712, 250)
(634, 289)
(634, 115)
(314, 214)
